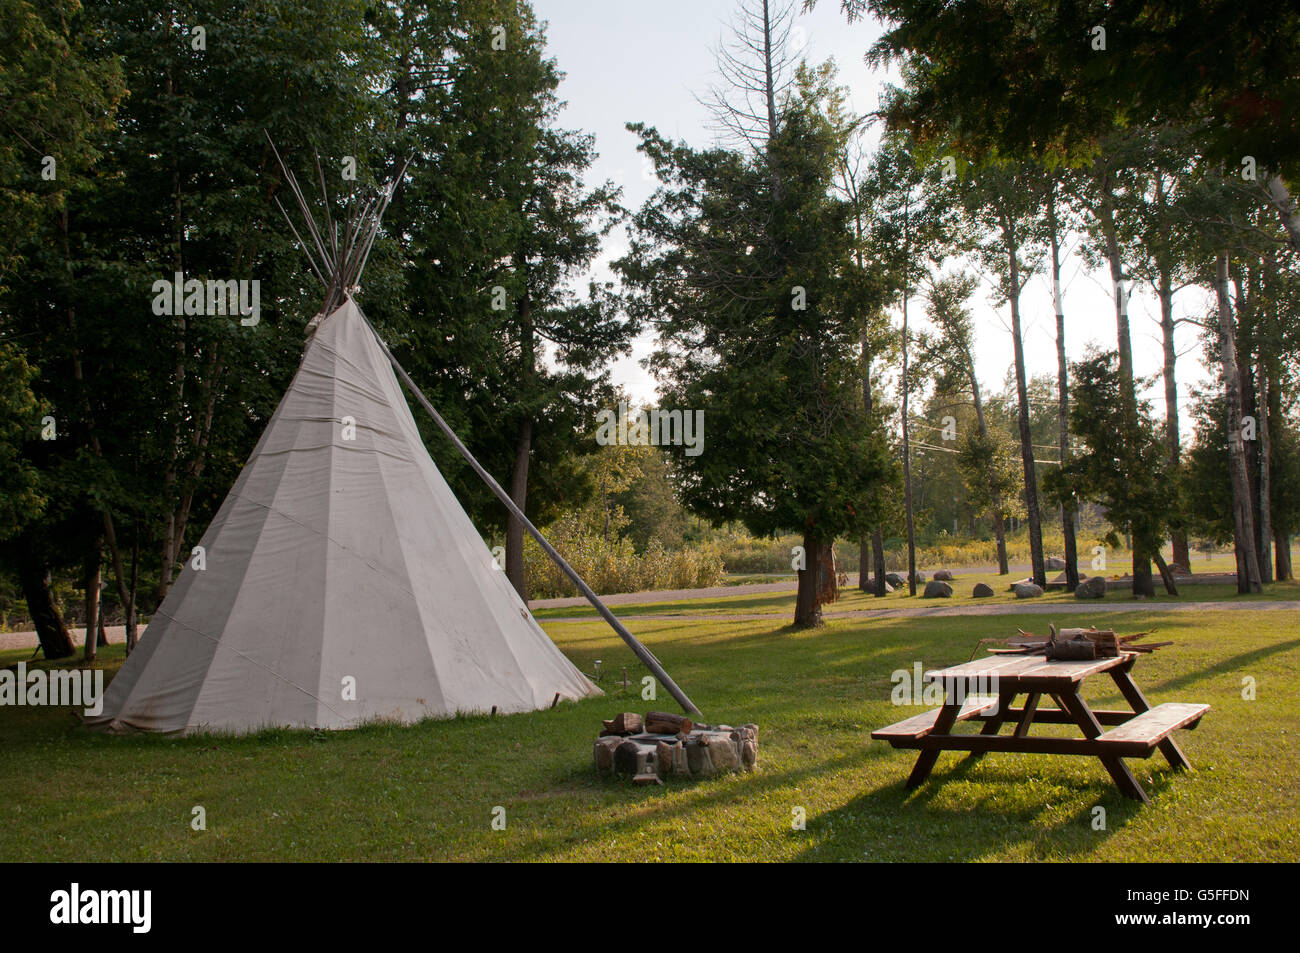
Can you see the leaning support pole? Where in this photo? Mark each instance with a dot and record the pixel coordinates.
(643, 653)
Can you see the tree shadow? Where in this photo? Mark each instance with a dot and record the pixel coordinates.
(892, 823)
(1228, 665)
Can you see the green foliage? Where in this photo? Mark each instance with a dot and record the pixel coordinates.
(500, 223)
(1124, 467)
(1024, 76)
(613, 564)
(59, 101)
(761, 327)
(21, 500)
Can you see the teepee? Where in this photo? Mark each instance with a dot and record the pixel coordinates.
(340, 580)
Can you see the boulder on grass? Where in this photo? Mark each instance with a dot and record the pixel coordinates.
(895, 580)
(944, 575)
(981, 591)
(1027, 590)
(937, 589)
(920, 577)
(1093, 588)
(1055, 562)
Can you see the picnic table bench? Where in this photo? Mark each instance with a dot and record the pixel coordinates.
(1132, 734)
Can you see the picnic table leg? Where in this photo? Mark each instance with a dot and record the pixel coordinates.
(942, 725)
(1091, 728)
(1133, 695)
(993, 723)
(1027, 718)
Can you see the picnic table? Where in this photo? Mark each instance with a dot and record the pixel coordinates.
(1132, 734)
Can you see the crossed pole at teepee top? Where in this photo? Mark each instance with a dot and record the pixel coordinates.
(341, 256)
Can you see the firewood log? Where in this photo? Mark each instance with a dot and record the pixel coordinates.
(665, 723)
(628, 723)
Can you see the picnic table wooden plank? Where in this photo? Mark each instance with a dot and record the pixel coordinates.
(920, 725)
(1026, 668)
(1001, 665)
(1123, 679)
(1072, 671)
(1154, 725)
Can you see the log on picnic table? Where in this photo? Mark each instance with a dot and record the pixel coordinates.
(1073, 644)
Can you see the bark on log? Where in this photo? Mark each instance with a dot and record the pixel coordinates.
(665, 723)
(627, 723)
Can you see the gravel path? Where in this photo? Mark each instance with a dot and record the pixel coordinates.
(27, 640)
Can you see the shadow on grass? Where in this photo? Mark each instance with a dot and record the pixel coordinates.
(640, 806)
(1227, 666)
(977, 810)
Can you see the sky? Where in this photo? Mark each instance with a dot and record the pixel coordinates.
(646, 62)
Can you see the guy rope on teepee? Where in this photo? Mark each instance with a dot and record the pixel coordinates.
(342, 582)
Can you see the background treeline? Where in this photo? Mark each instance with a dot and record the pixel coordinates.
(809, 286)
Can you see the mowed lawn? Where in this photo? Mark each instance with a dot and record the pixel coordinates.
(428, 791)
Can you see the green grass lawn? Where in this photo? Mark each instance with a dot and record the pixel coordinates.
(427, 792)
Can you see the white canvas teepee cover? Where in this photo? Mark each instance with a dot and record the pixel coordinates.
(343, 580)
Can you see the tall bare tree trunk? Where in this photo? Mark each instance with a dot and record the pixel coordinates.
(995, 494)
(132, 618)
(1281, 540)
(1143, 583)
(514, 527)
(878, 563)
(1037, 562)
(1282, 556)
(523, 455)
(1071, 554)
(1243, 522)
(770, 81)
(1265, 529)
(874, 547)
(1173, 437)
(907, 445)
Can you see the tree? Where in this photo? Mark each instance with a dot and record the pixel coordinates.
(1002, 202)
(756, 67)
(1124, 466)
(1037, 79)
(983, 452)
(904, 231)
(1154, 230)
(501, 223)
(1055, 226)
(752, 289)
